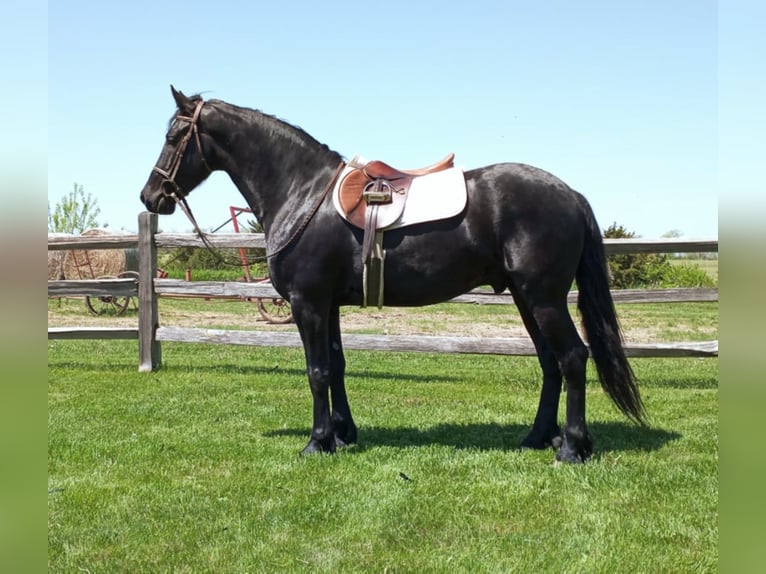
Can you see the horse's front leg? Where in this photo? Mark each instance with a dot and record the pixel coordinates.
(313, 326)
(342, 421)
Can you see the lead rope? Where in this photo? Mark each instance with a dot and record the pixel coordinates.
(184, 205)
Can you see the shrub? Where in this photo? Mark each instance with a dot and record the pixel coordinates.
(637, 270)
(685, 275)
(632, 270)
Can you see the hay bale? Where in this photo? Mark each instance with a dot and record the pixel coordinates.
(56, 265)
(94, 263)
(56, 260)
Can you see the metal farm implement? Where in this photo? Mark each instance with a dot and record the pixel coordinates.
(273, 309)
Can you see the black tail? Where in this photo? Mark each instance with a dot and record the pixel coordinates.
(602, 329)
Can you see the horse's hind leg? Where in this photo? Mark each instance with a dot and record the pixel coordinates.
(559, 331)
(556, 338)
(545, 430)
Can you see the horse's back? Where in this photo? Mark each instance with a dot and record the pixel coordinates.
(518, 219)
(521, 186)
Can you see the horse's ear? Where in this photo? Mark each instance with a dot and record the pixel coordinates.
(184, 104)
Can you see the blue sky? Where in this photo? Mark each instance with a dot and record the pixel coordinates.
(619, 99)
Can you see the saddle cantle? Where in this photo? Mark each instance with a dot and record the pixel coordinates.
(373, 195)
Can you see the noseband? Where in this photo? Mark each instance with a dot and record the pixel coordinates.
(169, 187)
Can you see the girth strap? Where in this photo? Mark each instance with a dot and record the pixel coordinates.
(372, 277)
(373, 258)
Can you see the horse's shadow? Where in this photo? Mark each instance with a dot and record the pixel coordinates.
(607, 436)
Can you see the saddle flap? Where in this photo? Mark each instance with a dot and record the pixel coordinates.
(387, 213)
(351, 189)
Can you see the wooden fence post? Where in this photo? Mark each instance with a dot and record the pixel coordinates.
(149, 350)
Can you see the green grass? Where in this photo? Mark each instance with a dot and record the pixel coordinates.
(194, 468)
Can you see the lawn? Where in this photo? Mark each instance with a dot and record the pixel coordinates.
(194, 468)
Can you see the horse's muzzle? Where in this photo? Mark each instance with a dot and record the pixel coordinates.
(162, 201)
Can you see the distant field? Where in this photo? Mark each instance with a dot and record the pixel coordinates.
(640, 322)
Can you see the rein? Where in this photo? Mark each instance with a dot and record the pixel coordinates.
(184, 205)
(310, 215)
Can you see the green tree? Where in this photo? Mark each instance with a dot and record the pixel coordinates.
(76, 212)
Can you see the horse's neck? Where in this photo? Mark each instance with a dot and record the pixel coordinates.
(277, 168)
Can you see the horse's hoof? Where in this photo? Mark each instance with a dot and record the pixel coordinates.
(340, 442)
(576, 447)
(345, 438)
(574, 455)
(315, 447)
(541, 441)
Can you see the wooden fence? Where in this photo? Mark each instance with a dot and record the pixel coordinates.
(150, 333)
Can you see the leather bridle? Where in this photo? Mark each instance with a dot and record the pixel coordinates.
(169, 187)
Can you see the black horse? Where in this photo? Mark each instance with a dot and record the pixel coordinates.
(522, 229)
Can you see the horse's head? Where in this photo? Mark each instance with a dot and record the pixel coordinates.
(182, 165)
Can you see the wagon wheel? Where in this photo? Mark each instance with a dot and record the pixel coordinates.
(130, 275)
(107, 304)
(275, 310)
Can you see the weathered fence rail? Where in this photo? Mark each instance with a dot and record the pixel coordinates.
(226, 289)
(257, 240)
(150, 334)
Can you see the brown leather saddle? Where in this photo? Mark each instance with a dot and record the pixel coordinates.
(378, 183)
(372, 196)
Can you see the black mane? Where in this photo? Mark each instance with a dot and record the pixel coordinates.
(271, 123)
